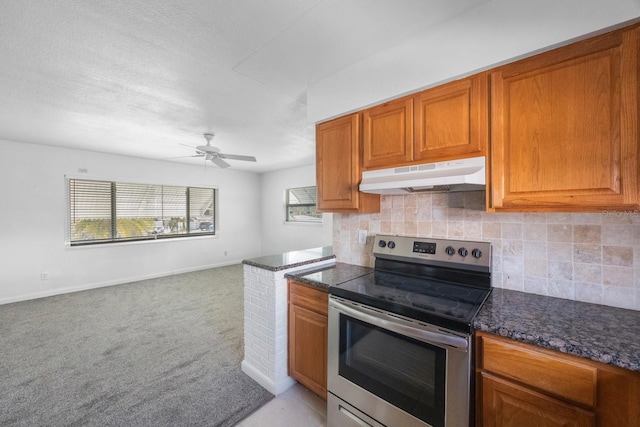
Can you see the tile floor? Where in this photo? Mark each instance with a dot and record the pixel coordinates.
(295, 407)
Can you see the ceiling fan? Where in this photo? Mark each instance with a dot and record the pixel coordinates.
(209, 152)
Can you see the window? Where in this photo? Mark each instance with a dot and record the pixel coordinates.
(107, 212)
(301, 205)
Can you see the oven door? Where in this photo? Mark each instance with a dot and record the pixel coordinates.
(395, 370)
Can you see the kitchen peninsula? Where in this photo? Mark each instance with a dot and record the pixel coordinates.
(265, 313)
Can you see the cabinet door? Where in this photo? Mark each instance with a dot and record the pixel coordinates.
(339, 167)
(505, 404)
(564, 128)
(451, 121)
(308, 349)
(388, 134)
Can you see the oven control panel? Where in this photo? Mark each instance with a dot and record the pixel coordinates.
(459, 253)
(424, 247)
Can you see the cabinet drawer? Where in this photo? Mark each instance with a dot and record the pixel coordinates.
(539, 369)
(308, 297)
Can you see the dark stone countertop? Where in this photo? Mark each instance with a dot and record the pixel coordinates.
(605, 334)
(292, 259)
(324, 277)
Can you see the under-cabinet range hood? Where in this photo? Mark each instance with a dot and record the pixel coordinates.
(452, 175)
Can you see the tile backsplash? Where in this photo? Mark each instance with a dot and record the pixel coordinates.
(586, 257)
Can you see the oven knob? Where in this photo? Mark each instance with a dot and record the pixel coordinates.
(382, 243)
(463, 252)
(391, 244)
(450, 251)
(476, 253)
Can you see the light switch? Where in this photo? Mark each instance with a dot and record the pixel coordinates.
(362, 237)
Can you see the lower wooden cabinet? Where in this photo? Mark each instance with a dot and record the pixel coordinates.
(308, 337)
(505, 403)
(521, 385)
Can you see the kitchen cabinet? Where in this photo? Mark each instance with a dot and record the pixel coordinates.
(388, 134)
(560, 130)
(521, 385)
(564, 128)
(339, 167)
(307, 342)
(446, 122)
(452, 121)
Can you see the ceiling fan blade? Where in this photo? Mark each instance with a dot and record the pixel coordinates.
(218, 161)
(238, 157)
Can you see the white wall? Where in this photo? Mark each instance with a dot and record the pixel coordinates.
(277, 236)
(493, 33)
(33, 212)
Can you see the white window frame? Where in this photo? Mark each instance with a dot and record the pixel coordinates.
(309, 220)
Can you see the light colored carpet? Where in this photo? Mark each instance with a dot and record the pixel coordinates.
(160, 352)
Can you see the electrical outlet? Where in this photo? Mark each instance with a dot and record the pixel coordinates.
(44, 276)
(362, 237)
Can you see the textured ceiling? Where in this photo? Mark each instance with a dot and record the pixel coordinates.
(140, 78)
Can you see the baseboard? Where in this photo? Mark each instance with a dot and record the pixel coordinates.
(266, 382)
(60, 291)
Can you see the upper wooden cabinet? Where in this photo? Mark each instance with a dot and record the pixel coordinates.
(442, 123)
(564, 128)
(339, 167)
(560, 130)
(388, 134)
(452, 120)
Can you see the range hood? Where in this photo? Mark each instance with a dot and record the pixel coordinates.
(452, 175)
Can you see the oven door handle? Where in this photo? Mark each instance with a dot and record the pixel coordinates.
(458, 343)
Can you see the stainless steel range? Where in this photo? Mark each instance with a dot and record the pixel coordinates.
(400, 337)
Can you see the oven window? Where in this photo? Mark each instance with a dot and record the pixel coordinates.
(405, 372)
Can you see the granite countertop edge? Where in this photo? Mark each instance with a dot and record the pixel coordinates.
(293, 259)
(558, 324)
(286, 266)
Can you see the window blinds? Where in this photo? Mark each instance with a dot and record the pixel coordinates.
(104, 211)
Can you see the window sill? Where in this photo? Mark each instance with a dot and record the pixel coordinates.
(304, 224)
(141, 242)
